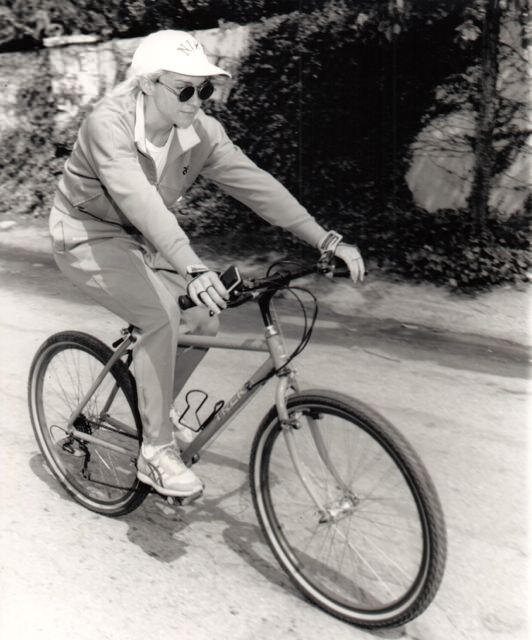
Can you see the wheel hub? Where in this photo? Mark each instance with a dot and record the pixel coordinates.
(82, 424)
(335, 511)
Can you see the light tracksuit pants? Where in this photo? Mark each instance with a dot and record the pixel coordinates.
(113, 268)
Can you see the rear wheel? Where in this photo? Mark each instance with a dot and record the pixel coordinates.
(370, 546)
(99, 477)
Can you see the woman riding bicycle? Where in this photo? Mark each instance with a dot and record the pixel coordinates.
(113, 234)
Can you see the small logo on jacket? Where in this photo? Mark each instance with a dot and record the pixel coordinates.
(185, 171)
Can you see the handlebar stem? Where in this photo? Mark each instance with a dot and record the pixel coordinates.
(264, 306)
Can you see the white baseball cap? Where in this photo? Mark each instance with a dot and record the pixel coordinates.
(176, 51)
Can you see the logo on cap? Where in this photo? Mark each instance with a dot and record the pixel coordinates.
(188, 47)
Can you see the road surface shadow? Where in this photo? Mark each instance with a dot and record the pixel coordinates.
(160, 530)
(156, 526)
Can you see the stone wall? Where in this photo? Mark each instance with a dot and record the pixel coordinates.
(17, 71)
(78, 72)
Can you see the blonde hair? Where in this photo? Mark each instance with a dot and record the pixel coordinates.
(131, 84)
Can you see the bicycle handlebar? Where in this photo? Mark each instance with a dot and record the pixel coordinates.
(249, 287)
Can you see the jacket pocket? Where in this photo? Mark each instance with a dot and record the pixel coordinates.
(66, 234)
(58, 237)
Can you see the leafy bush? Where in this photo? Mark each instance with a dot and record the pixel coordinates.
(330, 103)
(210, 217)
(447, 248)
(27, 161)
(33, 154)
(321, 106)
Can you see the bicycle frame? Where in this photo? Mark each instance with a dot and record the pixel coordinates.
(226, 413)
(286, 382)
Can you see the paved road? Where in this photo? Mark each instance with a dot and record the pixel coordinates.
(204, 571)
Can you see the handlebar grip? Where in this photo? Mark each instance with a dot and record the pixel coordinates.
(342, 272)
(340, 269)
(185, 302)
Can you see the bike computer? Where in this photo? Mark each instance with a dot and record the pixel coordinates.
(231, 278)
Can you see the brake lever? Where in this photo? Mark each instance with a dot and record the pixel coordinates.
(332, 267)
(241, 298)
(326, 264)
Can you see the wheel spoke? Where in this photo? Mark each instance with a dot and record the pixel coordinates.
(367, 552)
(62, 374)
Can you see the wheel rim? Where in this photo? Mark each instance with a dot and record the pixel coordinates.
(371, 557)
(97, 476)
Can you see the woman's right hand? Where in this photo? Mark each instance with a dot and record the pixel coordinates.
(206, 290)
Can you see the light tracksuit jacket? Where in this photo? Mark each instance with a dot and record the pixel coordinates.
(111, 177)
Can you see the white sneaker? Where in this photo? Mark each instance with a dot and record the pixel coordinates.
(164, 470)
(181, 435)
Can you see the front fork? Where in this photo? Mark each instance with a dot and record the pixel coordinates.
(286, 384)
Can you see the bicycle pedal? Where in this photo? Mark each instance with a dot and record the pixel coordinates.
(186, 500)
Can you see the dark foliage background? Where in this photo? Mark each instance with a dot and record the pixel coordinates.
(337, 124)
(329, 100)
(24, 23)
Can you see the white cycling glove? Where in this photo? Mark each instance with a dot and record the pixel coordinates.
(205, 289)
(348, 253)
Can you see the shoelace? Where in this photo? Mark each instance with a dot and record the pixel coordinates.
(172, 453)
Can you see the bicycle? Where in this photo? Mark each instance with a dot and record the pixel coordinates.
(344, 502)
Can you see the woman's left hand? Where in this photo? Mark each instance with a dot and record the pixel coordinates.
(351, 256)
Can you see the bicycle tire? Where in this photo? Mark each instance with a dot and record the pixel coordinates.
(108, 483)
(272, 477)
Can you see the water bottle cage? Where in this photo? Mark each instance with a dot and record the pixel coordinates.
(189, 409)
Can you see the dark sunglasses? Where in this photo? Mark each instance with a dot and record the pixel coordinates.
(204, 90)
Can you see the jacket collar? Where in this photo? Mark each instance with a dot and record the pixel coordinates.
(184, 139)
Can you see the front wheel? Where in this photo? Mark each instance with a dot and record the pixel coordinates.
(355, 520)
